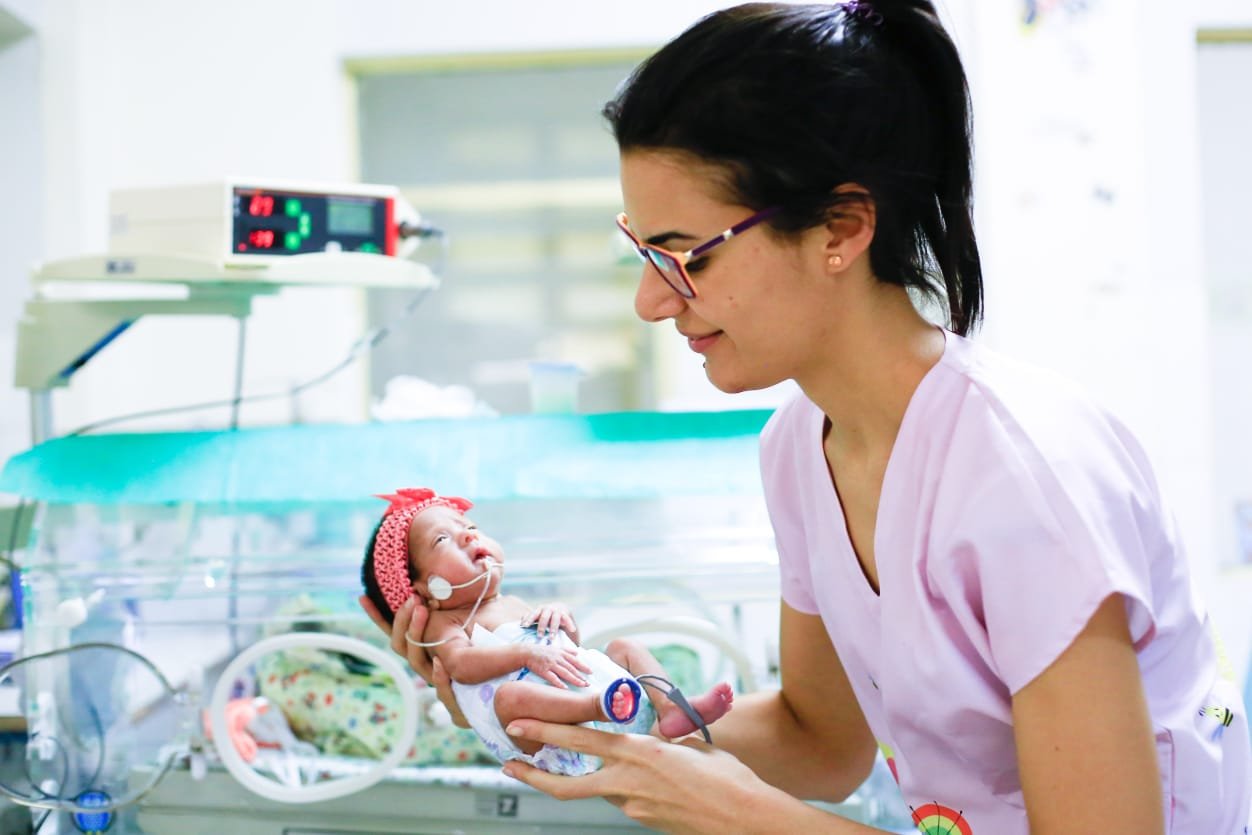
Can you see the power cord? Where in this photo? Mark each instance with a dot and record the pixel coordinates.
(362, 346)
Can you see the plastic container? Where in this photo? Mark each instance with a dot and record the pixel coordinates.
(554, 387)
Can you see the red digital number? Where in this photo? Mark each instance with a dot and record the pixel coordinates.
(261, 238)
(261, 205)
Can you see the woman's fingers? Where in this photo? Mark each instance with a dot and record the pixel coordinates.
(578, 738)
(411, 621)
(557, 785)
(443, 689)
(399, 625)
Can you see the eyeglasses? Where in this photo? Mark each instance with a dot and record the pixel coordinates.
(673, 265)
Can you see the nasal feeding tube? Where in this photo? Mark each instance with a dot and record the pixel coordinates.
(441, 589)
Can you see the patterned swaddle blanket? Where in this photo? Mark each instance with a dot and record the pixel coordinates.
(477, 702)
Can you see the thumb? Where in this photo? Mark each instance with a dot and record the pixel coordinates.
(440, 675)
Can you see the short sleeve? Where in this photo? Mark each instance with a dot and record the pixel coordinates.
(1044, 515)
(783, 471)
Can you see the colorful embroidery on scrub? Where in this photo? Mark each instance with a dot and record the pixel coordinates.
(890, 756)
(934, 819)
(1224, 717)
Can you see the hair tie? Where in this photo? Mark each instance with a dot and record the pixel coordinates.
(863, 11)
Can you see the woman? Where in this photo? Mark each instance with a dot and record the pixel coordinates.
(979, 577)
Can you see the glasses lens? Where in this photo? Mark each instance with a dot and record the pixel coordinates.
(670, 270)
(665, 264)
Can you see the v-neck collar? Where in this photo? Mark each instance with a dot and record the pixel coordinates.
(847, 556)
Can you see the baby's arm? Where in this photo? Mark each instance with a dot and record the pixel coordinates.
(470, 664)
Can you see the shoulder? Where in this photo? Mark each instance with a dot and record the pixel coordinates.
(1011, 420)
(790, 443)
(788, 427)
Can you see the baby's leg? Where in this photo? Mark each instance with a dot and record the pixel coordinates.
(523, 700)
(671, 721)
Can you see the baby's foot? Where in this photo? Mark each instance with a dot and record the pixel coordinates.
(621, 704)
(712, 706)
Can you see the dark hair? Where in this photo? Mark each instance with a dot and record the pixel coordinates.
(372, 591)
(793, 101)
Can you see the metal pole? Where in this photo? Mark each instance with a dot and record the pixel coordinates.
(40, 415)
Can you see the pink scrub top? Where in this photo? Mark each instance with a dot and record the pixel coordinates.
(1011, 507)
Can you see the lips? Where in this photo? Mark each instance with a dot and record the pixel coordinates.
(702, 343)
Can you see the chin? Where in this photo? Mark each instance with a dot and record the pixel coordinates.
(736, 384)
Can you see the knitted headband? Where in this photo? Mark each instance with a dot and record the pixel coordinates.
(391, 545)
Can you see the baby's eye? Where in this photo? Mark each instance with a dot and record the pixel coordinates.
(440, 538)
(471, 527)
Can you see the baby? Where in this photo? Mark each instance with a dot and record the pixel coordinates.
(507, 659)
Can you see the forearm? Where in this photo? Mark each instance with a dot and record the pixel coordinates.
(474, 665)
(770, 810)
(764, 733)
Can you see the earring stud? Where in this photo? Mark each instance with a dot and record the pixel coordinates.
(835, 261)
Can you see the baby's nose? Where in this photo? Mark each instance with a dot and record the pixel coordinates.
(468, 536)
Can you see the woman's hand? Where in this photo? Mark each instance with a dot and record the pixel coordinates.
(410, 621)
(552, 616)
(689, 787)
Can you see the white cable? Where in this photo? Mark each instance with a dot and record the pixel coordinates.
(273, 790)
(491, 566)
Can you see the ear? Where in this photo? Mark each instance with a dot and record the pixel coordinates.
(850, 230)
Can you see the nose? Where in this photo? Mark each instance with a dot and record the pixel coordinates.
(655, 300)
(468, 536)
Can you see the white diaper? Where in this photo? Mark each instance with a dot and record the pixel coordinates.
(477, 702)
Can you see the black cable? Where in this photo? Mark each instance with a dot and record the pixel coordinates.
(367, 342)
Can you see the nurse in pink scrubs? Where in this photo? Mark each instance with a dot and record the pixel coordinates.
(980, 576)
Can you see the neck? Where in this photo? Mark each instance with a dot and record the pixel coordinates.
(877, 357)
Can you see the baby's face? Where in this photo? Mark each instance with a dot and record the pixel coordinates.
(444, 542)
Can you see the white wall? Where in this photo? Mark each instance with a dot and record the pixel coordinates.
(21, 215)
(1225, 112)
(138, 92)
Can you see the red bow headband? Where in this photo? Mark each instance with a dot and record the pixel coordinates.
(391, 545)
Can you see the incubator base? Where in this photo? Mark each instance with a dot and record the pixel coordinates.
(428, 801)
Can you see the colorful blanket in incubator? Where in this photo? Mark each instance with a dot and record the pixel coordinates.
(348, 708)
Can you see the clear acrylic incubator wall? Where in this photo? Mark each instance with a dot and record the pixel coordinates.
(157, 564)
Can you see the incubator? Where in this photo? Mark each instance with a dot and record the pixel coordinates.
(192, 655)
(167, 572)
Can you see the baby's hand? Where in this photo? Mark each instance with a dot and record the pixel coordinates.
(549, 617)
(557, 665)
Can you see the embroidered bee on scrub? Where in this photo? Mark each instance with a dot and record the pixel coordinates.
(1224, 716)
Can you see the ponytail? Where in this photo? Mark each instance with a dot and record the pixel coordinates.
(794, 101)
(916, 35)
